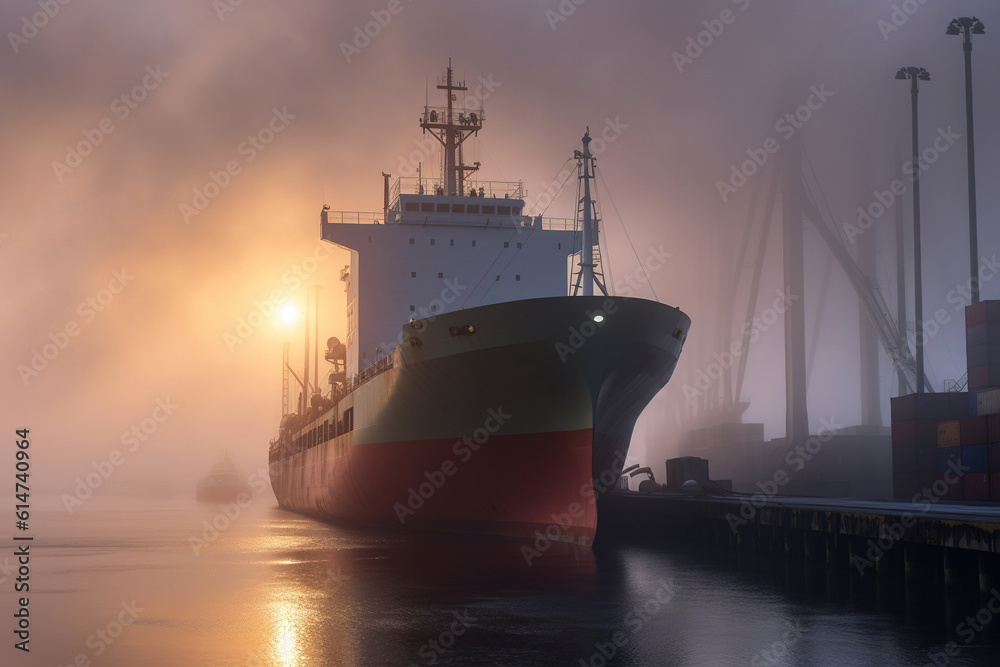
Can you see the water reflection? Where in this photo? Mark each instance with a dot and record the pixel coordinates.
(279, 589)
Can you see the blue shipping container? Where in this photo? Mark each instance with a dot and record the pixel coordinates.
(946, 455)
(976, 457)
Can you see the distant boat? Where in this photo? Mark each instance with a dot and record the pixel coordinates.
(222, 483)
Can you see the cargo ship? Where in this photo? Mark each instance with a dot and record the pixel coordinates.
(222, 483)
(482, 386)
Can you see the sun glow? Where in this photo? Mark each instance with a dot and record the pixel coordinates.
(289, 313)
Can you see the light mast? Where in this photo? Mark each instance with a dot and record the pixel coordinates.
(451, 131)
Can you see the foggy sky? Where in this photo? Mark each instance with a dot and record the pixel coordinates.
(163, 335)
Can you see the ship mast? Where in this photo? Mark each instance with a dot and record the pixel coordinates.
(451, 131)
(587, 213)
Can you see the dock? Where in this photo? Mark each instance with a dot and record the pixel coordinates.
(918, 540)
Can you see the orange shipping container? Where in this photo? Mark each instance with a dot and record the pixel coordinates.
(949, 434)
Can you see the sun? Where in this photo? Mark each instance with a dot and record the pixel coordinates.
(289, 313)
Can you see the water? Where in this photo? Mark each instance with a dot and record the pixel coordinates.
(275, 588)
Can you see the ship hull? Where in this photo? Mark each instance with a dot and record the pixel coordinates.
(516, 428)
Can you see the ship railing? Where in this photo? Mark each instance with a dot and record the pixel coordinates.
(456, 219)
(470, 119)
(412, 185)
(353, 382)
(356, 217)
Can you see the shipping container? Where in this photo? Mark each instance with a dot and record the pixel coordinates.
(975, 314)
(947, 457)
(974, 431)
(904, 459)
(976, 486)
(954, 491)
(993, 428)
(995, 486)
(975, 458)
(935, 407)
(977, 355)
(914, 433)
(904, 485)
(927, 460)
(958, 405)
(984, 377)
(988, 402)
(992, 310)
(994, 456)
(948, 434)
(975, 335)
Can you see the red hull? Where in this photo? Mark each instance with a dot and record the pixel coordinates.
(508, 485)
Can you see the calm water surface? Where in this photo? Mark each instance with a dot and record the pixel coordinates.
(279, 589)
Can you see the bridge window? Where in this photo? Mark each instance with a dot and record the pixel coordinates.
(473, 208)
(489, 210)
(503, 210)
(440, 275)
(427, 207)
(443, 208)
(517, 210)
(413, 274)
(411, 206)
(458, 208)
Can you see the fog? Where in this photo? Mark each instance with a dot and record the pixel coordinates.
(210, 75)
